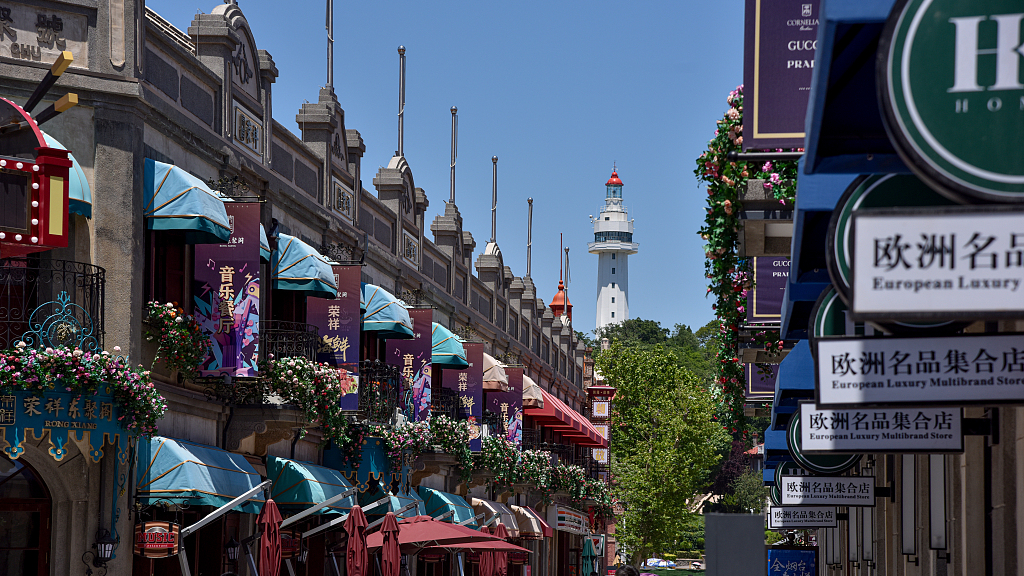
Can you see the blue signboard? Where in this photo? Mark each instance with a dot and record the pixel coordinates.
(87, 419)
(792, 561)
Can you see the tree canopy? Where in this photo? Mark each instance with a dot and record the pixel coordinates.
(695, 352)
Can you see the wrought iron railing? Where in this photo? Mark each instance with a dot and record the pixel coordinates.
(379, 386)
(51, 302)
(445, 402)
(288, 339)
(531, 439)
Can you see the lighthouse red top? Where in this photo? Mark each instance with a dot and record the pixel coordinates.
(614, 180)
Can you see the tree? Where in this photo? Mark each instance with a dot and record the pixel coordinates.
(661, 447)
(634, 331)
(750, 491)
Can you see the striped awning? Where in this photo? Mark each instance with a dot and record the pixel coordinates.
(531, 525)
(176, 200)
(505, 515)
(384, 314)
(446, 349)
(299, 485)
(439, 503)
(495, 379)
(296, 265)
(567, 422)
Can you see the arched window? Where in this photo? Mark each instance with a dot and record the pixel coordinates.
(24, 520)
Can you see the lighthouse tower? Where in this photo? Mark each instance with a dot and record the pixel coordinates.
(613, 243)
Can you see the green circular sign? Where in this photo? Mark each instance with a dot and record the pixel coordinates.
(951, 88)
(829, 464)
(784, 468)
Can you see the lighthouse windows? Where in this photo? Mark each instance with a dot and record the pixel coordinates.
(613, 314)
(613, 284)
(613, 299)
(613, 256)
(613, 270)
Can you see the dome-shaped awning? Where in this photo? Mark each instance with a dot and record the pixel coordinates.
(79, 193)
(176, 200)
(495, 379)
(447, 350)
(296, 265)
(264, 245)
(532, 397)
(384, 314)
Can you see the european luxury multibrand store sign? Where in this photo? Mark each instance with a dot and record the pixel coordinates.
(852, 372)
(909, 429)
(788, 517)
(828, 490)
(935, 262)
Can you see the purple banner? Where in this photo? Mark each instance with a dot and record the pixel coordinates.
(227, 294)
(757, 387)
(413, 357)
(338, 323)
(764, 302)
(510, 406)
(778, 61)
(469, 385)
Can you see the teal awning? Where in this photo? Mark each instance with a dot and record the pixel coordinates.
(178, 470)
(79, 193)
(438, 503)
(298, 485)
(397, 500)
(384, 314)
(264, 245)
(447, 350)
(296, 265)
(177, 200)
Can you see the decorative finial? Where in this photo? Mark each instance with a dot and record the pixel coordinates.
(454, 109)
(401, 49)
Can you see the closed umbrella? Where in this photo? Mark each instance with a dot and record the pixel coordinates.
(589, 554)
(486, 558)
(390, 555)
(269, 524)
(356, 557)
(501, 557)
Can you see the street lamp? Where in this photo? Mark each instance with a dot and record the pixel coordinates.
(104, 547)
(231, 547)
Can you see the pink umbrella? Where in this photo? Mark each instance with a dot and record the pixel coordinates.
(501, 557)
(357, 558)
(390, 555)
(269, 522)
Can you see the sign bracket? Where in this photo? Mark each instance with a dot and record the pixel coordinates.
(987, 426)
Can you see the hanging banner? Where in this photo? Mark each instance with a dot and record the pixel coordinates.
(468, 384)
(922, 263)
(779, 41)
(227, 294)
(792, 560)
(759, 387)
(828, 490)
(88, 421)
(413, 358)
(790, 517)
(963, 369)
(897, 430)
(338, 324)
(156, 539)
(510, 406)
(764, 302)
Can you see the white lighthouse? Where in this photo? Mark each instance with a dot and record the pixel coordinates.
(613, 243)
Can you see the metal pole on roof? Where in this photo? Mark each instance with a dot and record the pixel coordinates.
(401, 101)
(529, 236)
(455, 149)
(494, 199)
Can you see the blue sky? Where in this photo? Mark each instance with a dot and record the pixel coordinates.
(556, 90)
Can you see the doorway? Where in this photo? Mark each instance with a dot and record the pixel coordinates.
(24, 520)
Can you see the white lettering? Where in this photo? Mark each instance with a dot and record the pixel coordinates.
(1007, 51)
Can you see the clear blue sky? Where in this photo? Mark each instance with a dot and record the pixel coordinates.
(556, 90)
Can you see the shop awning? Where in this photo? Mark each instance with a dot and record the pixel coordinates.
(384, 314)
(438, 503)
(447, 350)
(531, 525)
(296, 265)
(505, 515)
(396, 501)
(176, 200)
(298, 485)
(264, 245)
(495, 379)
(79, 193)
(566, 421)
(178, 470)
(532, 397)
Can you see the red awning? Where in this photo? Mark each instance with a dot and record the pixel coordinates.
(568, 422)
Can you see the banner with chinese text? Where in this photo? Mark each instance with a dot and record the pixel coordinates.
(828, 490)
(901, 430)
(413, 358)
(227, 294)
(789, 517)
(338, 323)
(468, 384)
(67, 416)
(510, 406)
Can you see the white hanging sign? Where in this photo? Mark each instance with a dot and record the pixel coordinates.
(909, 429)
(786, 517)
(828, 490)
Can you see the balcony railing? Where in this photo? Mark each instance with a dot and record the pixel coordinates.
(48, 302)
(288, 339)
(379, 386)
(445, 402)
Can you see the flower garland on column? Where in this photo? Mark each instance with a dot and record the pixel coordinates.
(181, 342)
(729, 275)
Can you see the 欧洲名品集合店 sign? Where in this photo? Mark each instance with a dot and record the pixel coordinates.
(953, 370)
(938, 263)
(785, 517)
(906, 429)
(828, 490)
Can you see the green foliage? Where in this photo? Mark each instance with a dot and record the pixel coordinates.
(772, 537)
(634, 331)
(661, 453)
(750, 491)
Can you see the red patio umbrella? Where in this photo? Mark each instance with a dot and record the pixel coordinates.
(390, 556)
(487, 545)
(356, 557)
(423, 531)
(500, 557)
(269, 523)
